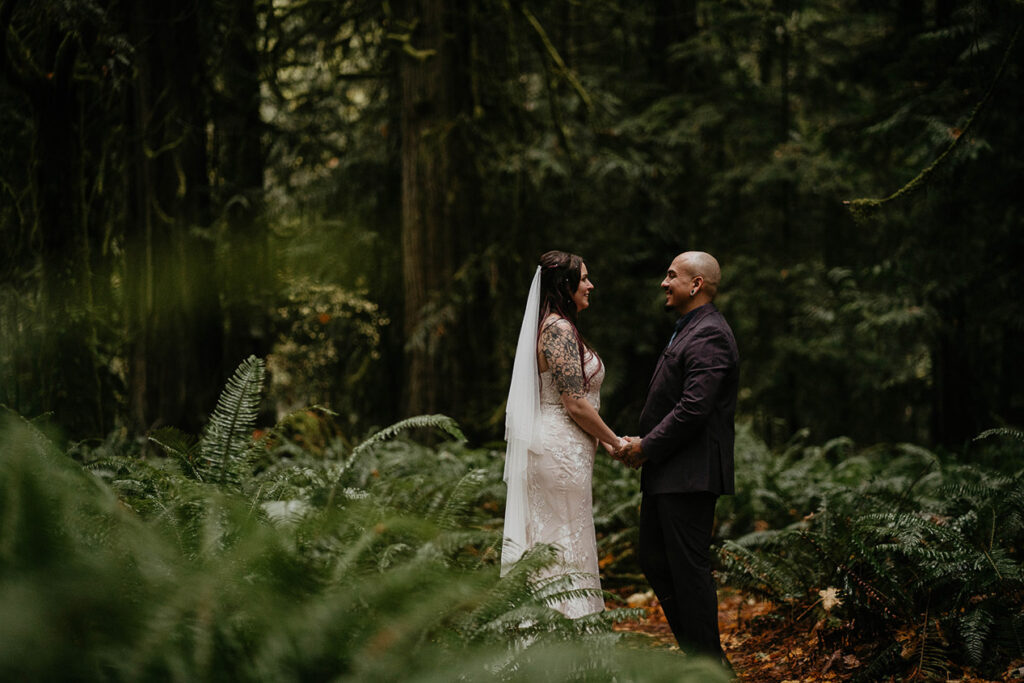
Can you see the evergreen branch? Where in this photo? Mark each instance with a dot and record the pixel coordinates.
(154, 153)
(556, 58)
(7, 65)
(405, 40)
(860, 207)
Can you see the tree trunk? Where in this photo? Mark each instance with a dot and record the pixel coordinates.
(431, 202)
(248, 281)
(174, 322)
(65, 374)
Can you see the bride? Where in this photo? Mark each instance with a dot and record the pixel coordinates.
(553, 428)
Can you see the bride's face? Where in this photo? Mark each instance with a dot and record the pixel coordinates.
(582, 294)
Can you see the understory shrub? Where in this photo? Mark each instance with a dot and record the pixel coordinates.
(913, 559)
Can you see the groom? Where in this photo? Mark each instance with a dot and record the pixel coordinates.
(687, 452)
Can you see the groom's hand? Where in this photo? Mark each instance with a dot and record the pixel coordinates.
(632, 454)
(616, 450)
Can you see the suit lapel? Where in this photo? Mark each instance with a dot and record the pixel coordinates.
(683, 334)
(687, 331)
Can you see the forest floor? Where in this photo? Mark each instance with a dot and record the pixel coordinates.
(764, 645)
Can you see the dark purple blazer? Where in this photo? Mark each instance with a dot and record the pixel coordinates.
(689, 417)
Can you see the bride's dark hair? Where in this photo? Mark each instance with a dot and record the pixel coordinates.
(560, 274)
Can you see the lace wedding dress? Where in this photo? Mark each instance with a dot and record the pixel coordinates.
(560, 511)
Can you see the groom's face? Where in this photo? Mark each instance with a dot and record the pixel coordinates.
(677, 285)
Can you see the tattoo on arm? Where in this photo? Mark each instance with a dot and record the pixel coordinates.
(558, 344)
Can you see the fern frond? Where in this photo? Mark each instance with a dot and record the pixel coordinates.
(41, 442)
(293, 418)
(561, 586)
(515, 589)
(762, 574)
(228, 434)
(111, 465)
(441, 422)
(1001, 431)
(460, 499)
(860, 551)
(880, 664)
(975, 628)
(925, 646)
(184, 447)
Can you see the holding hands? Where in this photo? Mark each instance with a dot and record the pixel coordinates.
(629, 452)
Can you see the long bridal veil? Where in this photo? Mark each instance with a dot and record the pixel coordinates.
(522, 428)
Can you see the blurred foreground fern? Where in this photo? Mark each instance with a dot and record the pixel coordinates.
(377, 562)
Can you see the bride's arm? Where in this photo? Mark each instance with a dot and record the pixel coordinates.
(558, 344)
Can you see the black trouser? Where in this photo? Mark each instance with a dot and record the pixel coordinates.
(675, 555)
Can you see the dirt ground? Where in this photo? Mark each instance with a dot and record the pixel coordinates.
(764, 645)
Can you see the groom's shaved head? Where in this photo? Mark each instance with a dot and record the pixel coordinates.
(701, 263)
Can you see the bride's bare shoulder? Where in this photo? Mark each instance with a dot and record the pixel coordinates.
(556, 321)
(553, 330)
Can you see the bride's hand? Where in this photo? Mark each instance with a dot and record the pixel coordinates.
(614, 448)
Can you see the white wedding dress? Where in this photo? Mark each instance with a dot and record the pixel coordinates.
(560, 510)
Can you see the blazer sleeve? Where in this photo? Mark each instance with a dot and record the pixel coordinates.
(708, 361)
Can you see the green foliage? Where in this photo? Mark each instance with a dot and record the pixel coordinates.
(225, 449)
(921, 551)
(442, 422)
(377, 562)
(229, 432)
(623, 131)
(327, 347)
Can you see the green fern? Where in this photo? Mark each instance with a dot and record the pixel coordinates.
(181, 446)
(900, 537)
(227, 438)
(441, 422)
(460, 500)
(1001, 431)
(975, 628)
(364, 449)
(398, 574)
(767, 574)
(926, 649)
(880, 664)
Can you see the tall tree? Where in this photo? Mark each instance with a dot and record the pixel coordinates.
(433, 197)
(174, 315)
(247, 277)
(42, 66)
